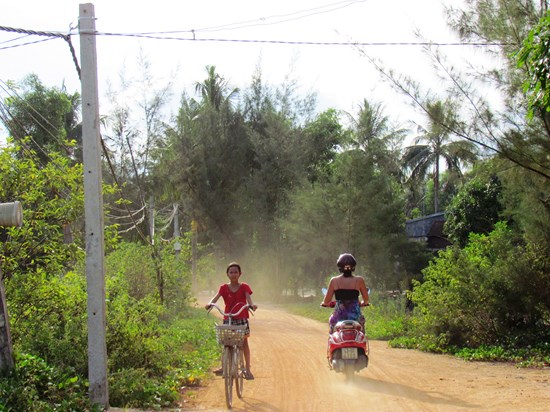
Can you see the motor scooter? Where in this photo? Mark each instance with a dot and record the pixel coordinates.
(348, 347)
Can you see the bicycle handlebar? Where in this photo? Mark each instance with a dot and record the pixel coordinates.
(213, 305)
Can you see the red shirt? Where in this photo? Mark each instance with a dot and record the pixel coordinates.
(234, 301)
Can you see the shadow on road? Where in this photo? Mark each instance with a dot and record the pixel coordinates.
(404, 391)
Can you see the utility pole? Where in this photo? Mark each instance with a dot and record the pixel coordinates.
(177, 235)
(152, 219)
(11, 214)
(93, 209)
(194, 227)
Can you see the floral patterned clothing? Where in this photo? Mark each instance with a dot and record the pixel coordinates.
(346, 308)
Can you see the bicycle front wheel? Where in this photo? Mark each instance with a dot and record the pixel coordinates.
(228, 376)
(240, 372)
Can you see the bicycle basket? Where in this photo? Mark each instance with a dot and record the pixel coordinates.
(230, 335)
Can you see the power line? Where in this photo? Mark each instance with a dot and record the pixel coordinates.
(265, 21)
(308, 43)
(161, 36)
(66, 37)
(25, 44)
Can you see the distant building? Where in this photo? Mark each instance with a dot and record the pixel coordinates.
(429, 230)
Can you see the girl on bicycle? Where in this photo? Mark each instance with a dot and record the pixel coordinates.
(235, 294)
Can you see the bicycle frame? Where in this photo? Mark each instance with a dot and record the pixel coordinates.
(231, 336)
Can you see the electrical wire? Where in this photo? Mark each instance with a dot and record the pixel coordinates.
(304, 43)
(26, 44)
(264, 21)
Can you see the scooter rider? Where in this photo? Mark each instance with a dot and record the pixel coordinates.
(346, 289)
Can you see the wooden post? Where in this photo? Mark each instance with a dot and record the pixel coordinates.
(93, 209)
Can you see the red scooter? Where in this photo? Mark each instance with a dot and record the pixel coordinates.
(348, 347)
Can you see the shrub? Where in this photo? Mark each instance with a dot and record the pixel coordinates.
(48, 318)
(492, 292)
(35, 386)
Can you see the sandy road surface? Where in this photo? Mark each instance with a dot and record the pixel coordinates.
(292, 374)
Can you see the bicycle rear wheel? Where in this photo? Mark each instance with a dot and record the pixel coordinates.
(240, 373)
(228, 376)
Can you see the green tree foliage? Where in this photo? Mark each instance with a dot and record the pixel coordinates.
(513, 25)
(357, 210)
(48, 115)
(320, 140)
(44, 302)
(475, 209)
(494, 291)
(232, 166)
(534, 56)
(207, 160)
(526, 198)
(53, 202)
(374, 133)
(357, 206)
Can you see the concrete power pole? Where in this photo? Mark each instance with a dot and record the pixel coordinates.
(93, 209)
(11, 214)
(177, 235)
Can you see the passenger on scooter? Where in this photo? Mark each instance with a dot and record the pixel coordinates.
(346, 289)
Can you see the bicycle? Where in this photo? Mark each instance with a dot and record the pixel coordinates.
(233, 367)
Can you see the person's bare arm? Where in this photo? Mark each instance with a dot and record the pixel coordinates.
(330, 293)
(249, 301)
(212, 301)
(364, 291)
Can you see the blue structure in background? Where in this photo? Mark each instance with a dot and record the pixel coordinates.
(429, 230)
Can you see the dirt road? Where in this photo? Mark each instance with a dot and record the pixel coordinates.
(292, 374)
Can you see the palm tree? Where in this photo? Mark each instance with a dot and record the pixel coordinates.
(213, 89)
(435, 144)
(374, 134)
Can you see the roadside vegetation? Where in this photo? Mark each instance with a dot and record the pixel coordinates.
(388, 319)
(259, 176)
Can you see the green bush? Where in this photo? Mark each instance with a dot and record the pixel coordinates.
(35, 386)
(181, 355)
(135, 388)
(493, 292)
(163, 346)
(48, 318)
